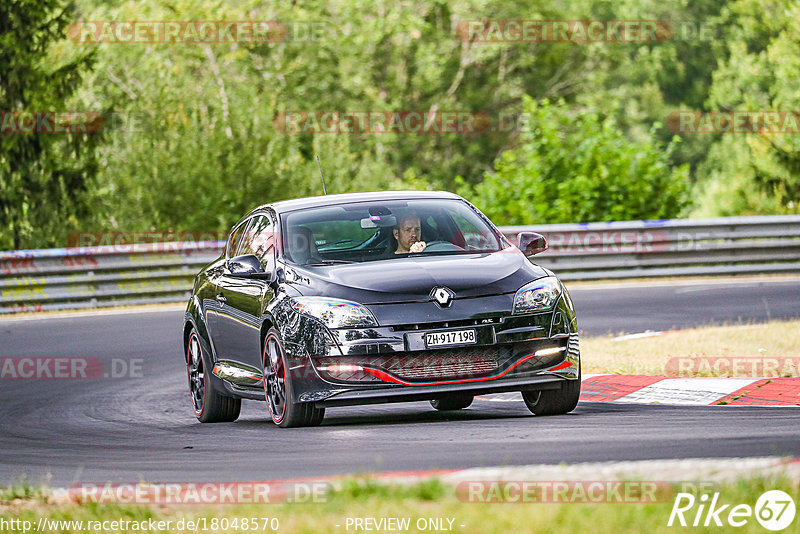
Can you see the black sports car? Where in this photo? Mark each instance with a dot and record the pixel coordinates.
(376, 297)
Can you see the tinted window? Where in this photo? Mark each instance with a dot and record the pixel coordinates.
(235, 239)
(368, 231)
(259, 239)
(470, 233)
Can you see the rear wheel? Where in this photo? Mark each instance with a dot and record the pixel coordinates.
(209, 406)
(285, 412)
(556, 401)
(452, 402)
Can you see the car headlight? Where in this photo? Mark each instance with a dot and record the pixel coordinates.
(335, 313)
(539, 295)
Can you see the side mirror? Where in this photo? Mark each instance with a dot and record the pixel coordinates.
(246, 264)
(531, 243)
(249, 266)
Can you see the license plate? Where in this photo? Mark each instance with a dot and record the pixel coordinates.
(452, 337)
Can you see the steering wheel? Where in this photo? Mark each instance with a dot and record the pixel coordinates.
(441, 246)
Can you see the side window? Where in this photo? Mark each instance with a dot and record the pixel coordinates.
(235, 240)
(471, 237)
(260, 239)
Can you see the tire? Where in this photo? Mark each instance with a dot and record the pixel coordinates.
(283, 410)
(554, 402)
(456, 401)
(209, 406)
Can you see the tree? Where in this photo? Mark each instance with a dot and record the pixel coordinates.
(757, 172)
(44, 176)
(200, 145)
(575, 166)
(209, 150)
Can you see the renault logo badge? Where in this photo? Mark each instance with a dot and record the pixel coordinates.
(443, 296)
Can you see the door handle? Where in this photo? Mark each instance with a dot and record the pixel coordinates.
(221, 298)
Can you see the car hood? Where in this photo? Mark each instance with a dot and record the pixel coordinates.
(411, 279)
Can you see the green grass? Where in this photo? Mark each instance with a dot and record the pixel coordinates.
(363, 488)
(361, 498)
(22, 490)
(774, 347)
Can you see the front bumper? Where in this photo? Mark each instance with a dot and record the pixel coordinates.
(392, 364)
(421, 393)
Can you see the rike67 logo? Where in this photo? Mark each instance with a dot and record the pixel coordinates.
(774, 510)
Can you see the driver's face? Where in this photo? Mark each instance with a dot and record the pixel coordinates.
(407, 233)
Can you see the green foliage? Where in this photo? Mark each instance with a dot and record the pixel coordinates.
(43, 177)
(756, 173)
(572, 166)
(190, 141)
(372, 56)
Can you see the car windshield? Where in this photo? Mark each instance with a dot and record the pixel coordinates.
(382, 230)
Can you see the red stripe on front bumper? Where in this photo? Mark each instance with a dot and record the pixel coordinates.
(386, 377)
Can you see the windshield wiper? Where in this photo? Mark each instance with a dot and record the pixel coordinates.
(340, 242)
(330, 262)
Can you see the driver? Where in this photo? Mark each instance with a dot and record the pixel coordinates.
(408, 232)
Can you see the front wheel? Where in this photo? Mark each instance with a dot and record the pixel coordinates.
(285, 412)
(209, 406)
(556, 401)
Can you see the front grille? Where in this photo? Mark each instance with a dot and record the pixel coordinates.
(446, 364)
(420, 366)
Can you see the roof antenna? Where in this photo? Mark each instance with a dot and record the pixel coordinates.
(320, 175)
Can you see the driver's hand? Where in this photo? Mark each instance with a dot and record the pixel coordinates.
(419, 246)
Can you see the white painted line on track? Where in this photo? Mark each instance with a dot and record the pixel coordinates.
(686, 391)
(678, 470)
(511, 396)
(638, 335)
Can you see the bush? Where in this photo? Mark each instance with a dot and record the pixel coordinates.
(574, 166)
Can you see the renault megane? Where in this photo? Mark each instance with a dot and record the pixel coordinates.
(376, 297)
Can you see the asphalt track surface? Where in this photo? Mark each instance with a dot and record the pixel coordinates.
(142, 428)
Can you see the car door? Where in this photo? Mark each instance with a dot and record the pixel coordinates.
(240, 299)
(214, 304)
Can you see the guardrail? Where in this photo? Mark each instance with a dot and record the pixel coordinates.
(671, 247)
(88, 277)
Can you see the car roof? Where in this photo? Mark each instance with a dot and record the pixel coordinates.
(329, 200)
